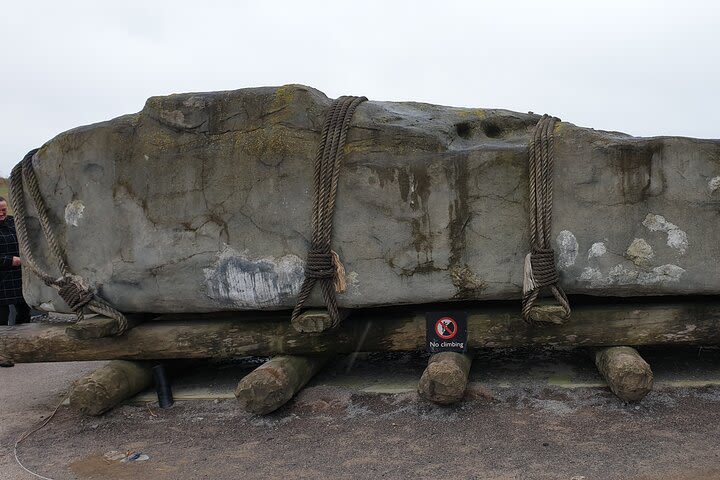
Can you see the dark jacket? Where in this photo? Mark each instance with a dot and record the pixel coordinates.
(10, 277)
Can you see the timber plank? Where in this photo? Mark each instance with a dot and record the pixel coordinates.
(243, 335)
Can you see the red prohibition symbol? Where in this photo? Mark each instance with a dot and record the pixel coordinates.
(446, 328)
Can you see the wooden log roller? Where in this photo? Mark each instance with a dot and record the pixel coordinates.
(445, 378)
(108, 386)
(627, 374)
(274, 383)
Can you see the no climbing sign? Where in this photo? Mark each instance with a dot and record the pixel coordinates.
(446, 331)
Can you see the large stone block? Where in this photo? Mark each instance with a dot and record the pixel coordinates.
(201, 202)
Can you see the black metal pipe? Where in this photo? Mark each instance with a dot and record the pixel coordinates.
(162, 387)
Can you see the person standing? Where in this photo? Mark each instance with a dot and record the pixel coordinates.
(10, 271)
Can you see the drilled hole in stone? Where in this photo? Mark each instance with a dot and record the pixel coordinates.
(463, 130)
(491, 129)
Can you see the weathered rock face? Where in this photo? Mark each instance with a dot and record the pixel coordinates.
(201, 202)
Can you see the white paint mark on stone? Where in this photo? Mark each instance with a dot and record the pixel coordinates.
(622, 275)
(74, 212)
(352, 280)
(568, 249)
(665, 274)
(640, 252)
(241, 281)
(353, 284)
(628, 275)
(598, 249)
(677, 238)
(594, 276)
(656, 223)
(714, 184)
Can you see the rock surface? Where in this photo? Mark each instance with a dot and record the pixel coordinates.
(201, 202)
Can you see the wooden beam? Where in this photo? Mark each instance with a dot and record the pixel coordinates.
(109, 385)
(316, 320)
(548, 314)
(6, 363)
(99, 326)
(445, 378)
(274, 383)
(380, 330)
(627, 374)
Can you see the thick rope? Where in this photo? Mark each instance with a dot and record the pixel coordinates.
(540, 270)
(71, 288)
(323, 264)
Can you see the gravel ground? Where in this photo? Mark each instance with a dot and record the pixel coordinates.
(527, 415)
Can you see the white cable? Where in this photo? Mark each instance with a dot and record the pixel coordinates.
(30, 432)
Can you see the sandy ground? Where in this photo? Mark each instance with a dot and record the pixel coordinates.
(527, 415)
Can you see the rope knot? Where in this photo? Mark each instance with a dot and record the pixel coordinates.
(540, 271)
(323, 266)
(319, 264)
(72, 290)
(326, 265)
(542, 264)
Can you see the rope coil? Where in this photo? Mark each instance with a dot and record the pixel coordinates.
(319, 265)
(323, 265)
(540, 270)
(71, 288)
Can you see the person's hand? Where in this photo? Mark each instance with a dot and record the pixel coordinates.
(16, 262)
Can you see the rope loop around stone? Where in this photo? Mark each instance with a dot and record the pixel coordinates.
(323, 265)
(540, 270)
(71, 288)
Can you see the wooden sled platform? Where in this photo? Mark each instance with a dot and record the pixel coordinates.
(609, 332)
(392, 329)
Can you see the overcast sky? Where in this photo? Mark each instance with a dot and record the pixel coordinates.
(645, 68)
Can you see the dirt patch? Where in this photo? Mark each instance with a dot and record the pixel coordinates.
(522, 431)
(328, 433)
